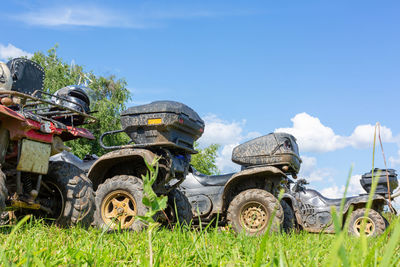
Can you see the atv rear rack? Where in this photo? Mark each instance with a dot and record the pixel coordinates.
(34, 105)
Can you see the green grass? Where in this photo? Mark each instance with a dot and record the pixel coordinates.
(35, 243)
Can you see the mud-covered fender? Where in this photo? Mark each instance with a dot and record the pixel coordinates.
(363, 199)
(97, 173)
(266, 172)
(290, 199)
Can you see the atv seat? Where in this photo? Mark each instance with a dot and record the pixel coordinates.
(65, 156)
(210, 180)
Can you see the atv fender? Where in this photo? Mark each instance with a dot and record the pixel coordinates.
(247, 178)
(131, 161)
(362, 201)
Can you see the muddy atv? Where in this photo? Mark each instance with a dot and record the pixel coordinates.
(247, 199)
(33, 126)
(307, 209)
(162, 129)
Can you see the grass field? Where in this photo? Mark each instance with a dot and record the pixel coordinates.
(35, 243)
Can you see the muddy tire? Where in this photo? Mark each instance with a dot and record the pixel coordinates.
(375, 224)
(118, 201)
(3, 191)
(251, 211)
(178, 202)
(288, 217)
(71, 195)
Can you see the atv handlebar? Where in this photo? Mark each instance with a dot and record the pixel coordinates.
(299, 185)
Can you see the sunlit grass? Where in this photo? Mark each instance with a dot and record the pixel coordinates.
(37, 243)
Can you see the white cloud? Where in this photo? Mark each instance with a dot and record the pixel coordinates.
(363, 135)
(221, 132)
(78, 15)
(227, 135)
(335, 191)
(91, 15)
(224, 161)
(10, 51)
(313, 136)
(310, 171)
(395, 161)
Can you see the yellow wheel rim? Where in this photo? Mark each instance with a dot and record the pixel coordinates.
(369, 226)
(254, 217)
(119, 209)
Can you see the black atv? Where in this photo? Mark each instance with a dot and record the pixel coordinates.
(311, 211)
(163, 129)
(246, 199)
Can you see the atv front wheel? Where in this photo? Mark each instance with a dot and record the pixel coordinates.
(178, 203)
(118, 202)
(374, 223)
(68, 195)
(288, 217)
(252, 210)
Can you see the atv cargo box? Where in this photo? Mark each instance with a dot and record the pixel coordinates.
(382, 187)
(274, 149)
(163, 123)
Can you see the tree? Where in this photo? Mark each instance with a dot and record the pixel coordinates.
(108, 98)
(205, 160)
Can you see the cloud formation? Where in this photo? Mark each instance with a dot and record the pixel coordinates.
(310, 171)
(313, 136)
(354, 188)
(226, 134)
(79, 15)
(91, 15)
(10, 51)
(395, 161)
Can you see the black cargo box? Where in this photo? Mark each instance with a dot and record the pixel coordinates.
(163, 123)
(274, 149)
(381, 188)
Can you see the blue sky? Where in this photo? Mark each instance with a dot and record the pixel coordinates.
(326, 71)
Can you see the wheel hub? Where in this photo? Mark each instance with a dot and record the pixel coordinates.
(119, 208)
(369, 226)
(254, 217)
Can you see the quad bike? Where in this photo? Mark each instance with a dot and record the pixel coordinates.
(311, 211)
(247, 199)
(163, 129)
(33, 126)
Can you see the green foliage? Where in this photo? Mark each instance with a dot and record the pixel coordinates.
(108, 98)
(154, 203)
(150, 199)
(205, 160)
(37, 244)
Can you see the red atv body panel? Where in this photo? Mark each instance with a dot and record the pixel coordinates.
(21, 127)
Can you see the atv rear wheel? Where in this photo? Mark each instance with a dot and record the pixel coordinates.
(288, 217)
(251, 211)
(178, 203)
(118, 202)
(68, 194)
(374, 224)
